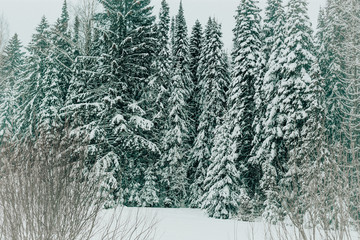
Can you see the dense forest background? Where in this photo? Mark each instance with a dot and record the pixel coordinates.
(169, 119)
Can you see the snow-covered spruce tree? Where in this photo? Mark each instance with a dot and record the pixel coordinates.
(272, 37)
(299, 104)
(172, 37)
(57, 75)
(84, 112)
(11, 74)
(175, 143)
(195, 52)
(76, 33)
(149, 192)
(117, 129)
(241, 106)
(330, 159)
(214, 79)
(62, 49)
(82, 100)
(196, 42)
(157, 95)
(158, 86)
(274, 17)
(267, 150)
(34, 72)
(223, 191)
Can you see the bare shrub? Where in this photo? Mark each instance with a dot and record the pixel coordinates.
(325, 205)
(86, 10)
(45, 195)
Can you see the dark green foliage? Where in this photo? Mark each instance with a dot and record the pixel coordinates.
(10, 75)
(214, 79)
(32, 89)
(167, 123)
(112, 82)
(245, 74)
(176, 139)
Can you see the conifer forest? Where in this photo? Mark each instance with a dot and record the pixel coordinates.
(160, 115)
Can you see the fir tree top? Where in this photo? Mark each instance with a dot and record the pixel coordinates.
(13, 58)
(164, 23)
(247, 42)
(40, 39)
(63, 21)
(272, 10)
(195, 48)
(181, 42)
(299, 36)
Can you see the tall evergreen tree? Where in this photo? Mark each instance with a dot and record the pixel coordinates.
(195, 52)
(11, 72)
(347, 82)
(172, 36)
(157, 97)
(177, 136)
(158, 91)
(274, 19)
(114, 80)
(62, 49)
(267, 147)
(245, 73)
(294, 111)
(214, 80)
(32, 88)
(57, 75)
(333, 52)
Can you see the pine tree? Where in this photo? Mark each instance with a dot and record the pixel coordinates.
(58, 72)
(158, 91)
(62, 50)
(158, 94)
(114, 80)
(222, 196)
(195, 52)
(149, 192)
(274, 20)
(214, 80)
(297, 103)
(177, 136)
(245, 73)
(347, 86)
(11, 72)
(266, 144)
(34, 72)
(172, 36)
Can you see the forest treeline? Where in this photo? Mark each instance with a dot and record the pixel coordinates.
(169, 119)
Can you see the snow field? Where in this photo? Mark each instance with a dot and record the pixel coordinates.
(193, 224)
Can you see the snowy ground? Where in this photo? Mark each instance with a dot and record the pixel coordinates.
(187, 224)
(193, 224)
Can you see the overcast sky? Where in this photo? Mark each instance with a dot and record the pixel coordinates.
(24, 15)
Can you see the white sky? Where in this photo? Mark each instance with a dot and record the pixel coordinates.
(24, 15)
